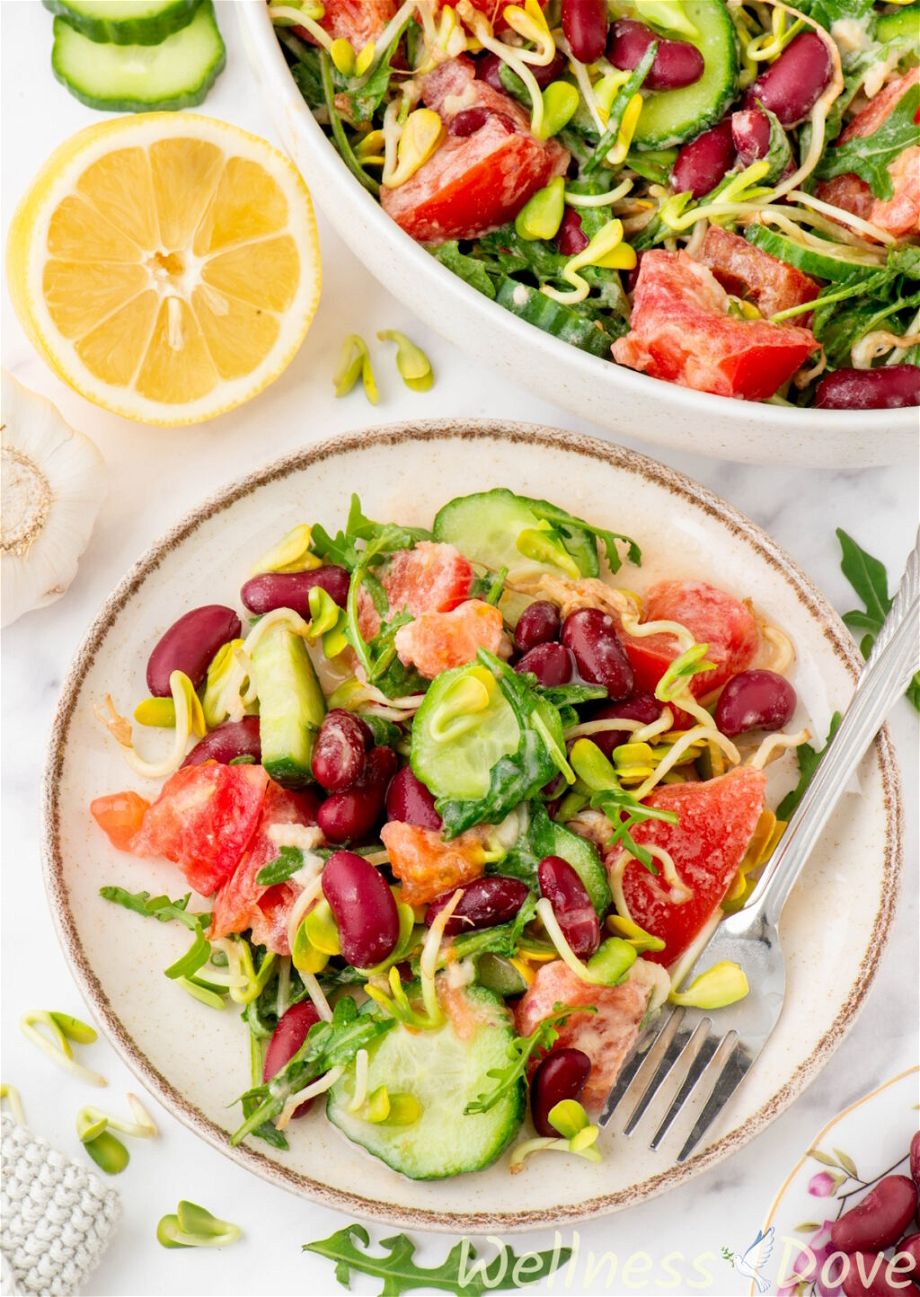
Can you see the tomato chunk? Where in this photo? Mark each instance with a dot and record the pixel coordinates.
(426, 865)
(430, 578)
(203, 821)
(242, 903)
(750, 273)
(712, 616)
(899, 215)
(606, 1036)
(437, 641)
(681, 331)
(357, 21)
(716, 821)
(473, 183)
(120, 816)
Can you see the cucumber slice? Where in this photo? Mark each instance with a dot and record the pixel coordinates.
(498, 974)
(672, 117)
(291, 705)
(485, 528)
(586, 862)
(902, 25)
(444, 1073)
(838, 264)
(125, 22)
(536, 308)
(177, 73)
(453, 750)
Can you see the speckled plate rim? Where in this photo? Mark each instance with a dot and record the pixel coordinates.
(523, 434)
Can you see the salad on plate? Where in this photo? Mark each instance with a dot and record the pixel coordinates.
(457, 809)
(721, 194)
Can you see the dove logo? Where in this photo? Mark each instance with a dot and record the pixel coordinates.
(751, 1262)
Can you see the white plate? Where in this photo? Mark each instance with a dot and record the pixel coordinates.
(617, 399)
(195, 1059)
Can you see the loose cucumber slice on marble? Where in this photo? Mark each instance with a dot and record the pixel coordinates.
(125, 22)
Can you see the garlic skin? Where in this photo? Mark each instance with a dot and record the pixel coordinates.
(52, 482)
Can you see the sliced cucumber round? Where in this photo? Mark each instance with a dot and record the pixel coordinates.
(536, 308)
(443, 1071)
(125, 22)
(177, 73)
(486, 528)
(672, 117)
(587, 864)
(838, 264)
(455, 741)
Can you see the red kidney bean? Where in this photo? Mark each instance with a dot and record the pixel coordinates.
(271, 590)
(584, 25)
(755, 700)
(792, 85)
(879, 1219)
(641, 707)
(339, 751)
(227, 742)
(592, 638)
(351, 814)
(287, 1038)
(485, 903)
(571, 904)
(909, 1247)
(890, 388)
(364, 909)
(570, 237)
(488, 69)
(915, 1160)
(703, 162)
(538, 624)
(677, 63)
(189, 645)
(561, 1075)
(751, 134)
(468, 122)
(550, 663)
(868, 1275)
(409, 801)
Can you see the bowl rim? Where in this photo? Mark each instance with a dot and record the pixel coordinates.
(523, 434)
(619, 379)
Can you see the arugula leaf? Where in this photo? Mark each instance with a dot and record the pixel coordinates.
(809, 759)
(501, 940)
(470, 269)
(563, 520)
(618, 108)
(868, 577)
(156, 907)
(279, 870)
(367, 98)
(869, 156)
(827, 12)
(521, 1049)
(401, 1274)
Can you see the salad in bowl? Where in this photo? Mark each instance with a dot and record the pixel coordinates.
(456, 810)
(722, 195)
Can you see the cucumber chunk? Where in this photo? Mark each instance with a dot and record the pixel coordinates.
(177, 73)
(586, 862)
(672, 117)
(125, 22)
(291, 705)
(444, 1073)
(837, 264)
(536, 308)
(486, 527)
(453, 748)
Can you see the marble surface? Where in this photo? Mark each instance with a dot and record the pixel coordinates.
(669, 1245)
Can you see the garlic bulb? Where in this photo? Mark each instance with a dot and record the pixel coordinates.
(52, 482)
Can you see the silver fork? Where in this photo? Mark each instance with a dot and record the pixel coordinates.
(687, 1065)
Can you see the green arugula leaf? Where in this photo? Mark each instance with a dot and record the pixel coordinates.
(618, 108)
(470, 269)
(521, 1050)
(869, 156)
(809, 759)
(156, 907)
(370, 93)
(279, 870)
(459, 1273)
(567, 521)
(827, 12)
(868, 577)
(501, 940)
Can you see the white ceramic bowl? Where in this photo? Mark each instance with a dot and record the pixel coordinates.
(616, 399)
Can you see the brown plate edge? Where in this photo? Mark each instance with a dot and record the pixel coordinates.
(393, 434)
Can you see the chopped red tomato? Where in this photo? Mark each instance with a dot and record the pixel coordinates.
(754, 275)
(242, 903)
(681, 331)
(476, 182)
(429, 578)
(716, 821)
(606, 1036)
(203, 821)
(437, 641)
(899, 215)
(120, 816)
(712, 616)
(357, 21)
(425, 864)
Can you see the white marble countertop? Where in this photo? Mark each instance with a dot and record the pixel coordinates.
(155, 476)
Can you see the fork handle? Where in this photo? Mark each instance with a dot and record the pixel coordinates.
(884, 678)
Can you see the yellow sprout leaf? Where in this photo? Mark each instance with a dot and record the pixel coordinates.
(723, 984)
(421, 135)
(291, 554)
(414, 366)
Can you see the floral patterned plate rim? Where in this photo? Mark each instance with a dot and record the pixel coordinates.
(844, 1161)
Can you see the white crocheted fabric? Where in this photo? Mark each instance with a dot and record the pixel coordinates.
(56, 1217)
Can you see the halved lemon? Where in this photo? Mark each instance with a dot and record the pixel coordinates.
(167, 266)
